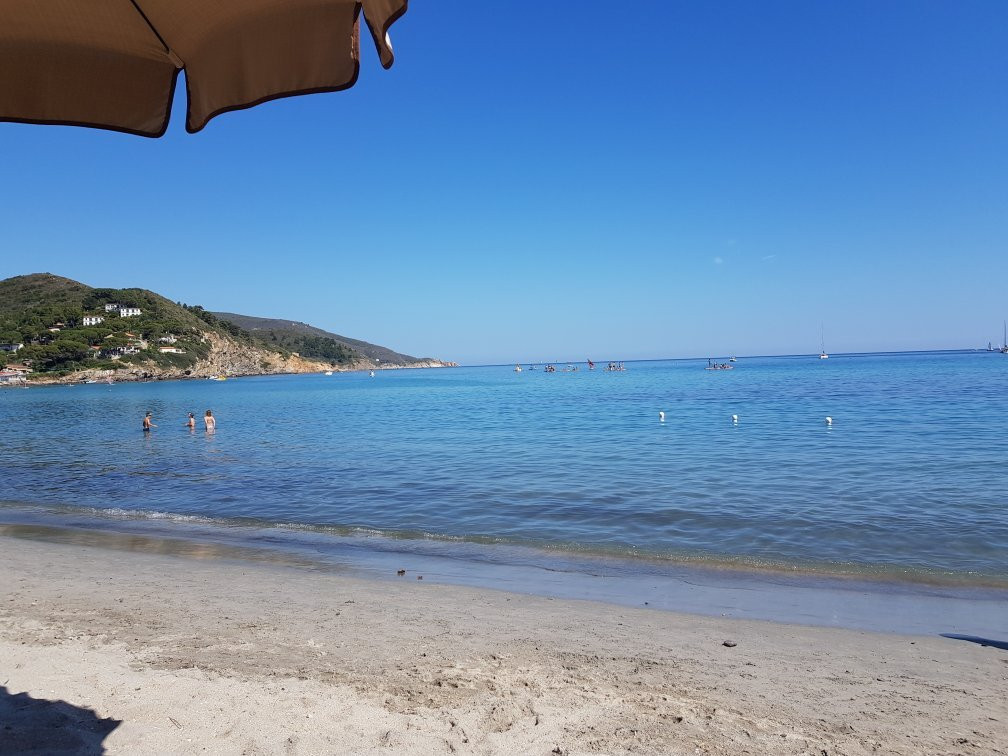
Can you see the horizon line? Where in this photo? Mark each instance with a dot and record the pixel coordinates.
(742, 357)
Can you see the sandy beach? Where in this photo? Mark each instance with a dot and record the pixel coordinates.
(133, 653)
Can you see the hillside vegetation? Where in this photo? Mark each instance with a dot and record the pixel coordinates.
(309, 341)
(46, 313)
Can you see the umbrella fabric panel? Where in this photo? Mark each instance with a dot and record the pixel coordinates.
(238, 53)
(113, 63)
(380, 15)
(83, 62)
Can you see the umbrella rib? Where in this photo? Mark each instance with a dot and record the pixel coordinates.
(171, 54)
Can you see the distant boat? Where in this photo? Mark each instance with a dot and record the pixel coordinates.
(1004, 339)
(328, 372)
(711, 365)
(518, 368)
(731, 359)
(822, 345)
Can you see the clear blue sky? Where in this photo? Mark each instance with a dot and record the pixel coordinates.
(575, 179)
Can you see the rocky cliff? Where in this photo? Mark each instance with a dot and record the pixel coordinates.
(227, 358)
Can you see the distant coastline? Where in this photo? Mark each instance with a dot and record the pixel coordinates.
(54, 330)
(141, 376)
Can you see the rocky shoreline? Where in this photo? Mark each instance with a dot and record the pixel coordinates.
(227, 359)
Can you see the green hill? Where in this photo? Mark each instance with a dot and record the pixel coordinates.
(66, 326)
(309, 341)
(46, 313)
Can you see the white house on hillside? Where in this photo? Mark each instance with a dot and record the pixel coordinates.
(90, 320)
(110, 306)
(10, 347)
(129, 312)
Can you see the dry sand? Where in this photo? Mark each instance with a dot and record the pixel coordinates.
(139, 654)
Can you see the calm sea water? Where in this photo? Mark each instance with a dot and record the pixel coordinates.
(909, 482)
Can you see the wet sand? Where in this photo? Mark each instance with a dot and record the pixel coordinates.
(157, 654)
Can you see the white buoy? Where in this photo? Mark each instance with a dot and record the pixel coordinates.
(661, 417)
(829, 420)
(734, 419)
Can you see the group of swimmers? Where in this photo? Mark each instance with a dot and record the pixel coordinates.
(208, 420)
(613, 366)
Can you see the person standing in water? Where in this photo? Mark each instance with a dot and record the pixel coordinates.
(147, 424)
(191, 422)
(211, 422)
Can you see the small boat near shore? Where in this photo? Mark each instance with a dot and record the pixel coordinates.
(711, 365)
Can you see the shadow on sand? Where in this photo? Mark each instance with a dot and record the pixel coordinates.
(39, 726)
(1003, 645)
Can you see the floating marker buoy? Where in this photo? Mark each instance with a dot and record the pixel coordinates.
(829, 420)
(661, 417)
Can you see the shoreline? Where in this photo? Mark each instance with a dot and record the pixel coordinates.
(140, 376)
(178, 655)
(143, 521)
(858, 602)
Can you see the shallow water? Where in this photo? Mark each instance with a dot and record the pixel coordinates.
(908, 483)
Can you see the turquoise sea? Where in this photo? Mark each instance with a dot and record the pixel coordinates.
(537, 479)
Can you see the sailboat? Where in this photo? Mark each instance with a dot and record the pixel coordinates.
(1004, 339)
(822, 345)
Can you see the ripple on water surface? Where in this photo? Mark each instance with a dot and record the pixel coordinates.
(909, 479)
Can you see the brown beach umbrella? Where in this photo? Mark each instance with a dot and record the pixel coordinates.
(112, 64)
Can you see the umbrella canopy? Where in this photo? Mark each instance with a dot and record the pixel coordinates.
(112, 64)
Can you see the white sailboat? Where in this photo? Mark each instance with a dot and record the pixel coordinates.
(822, 345)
